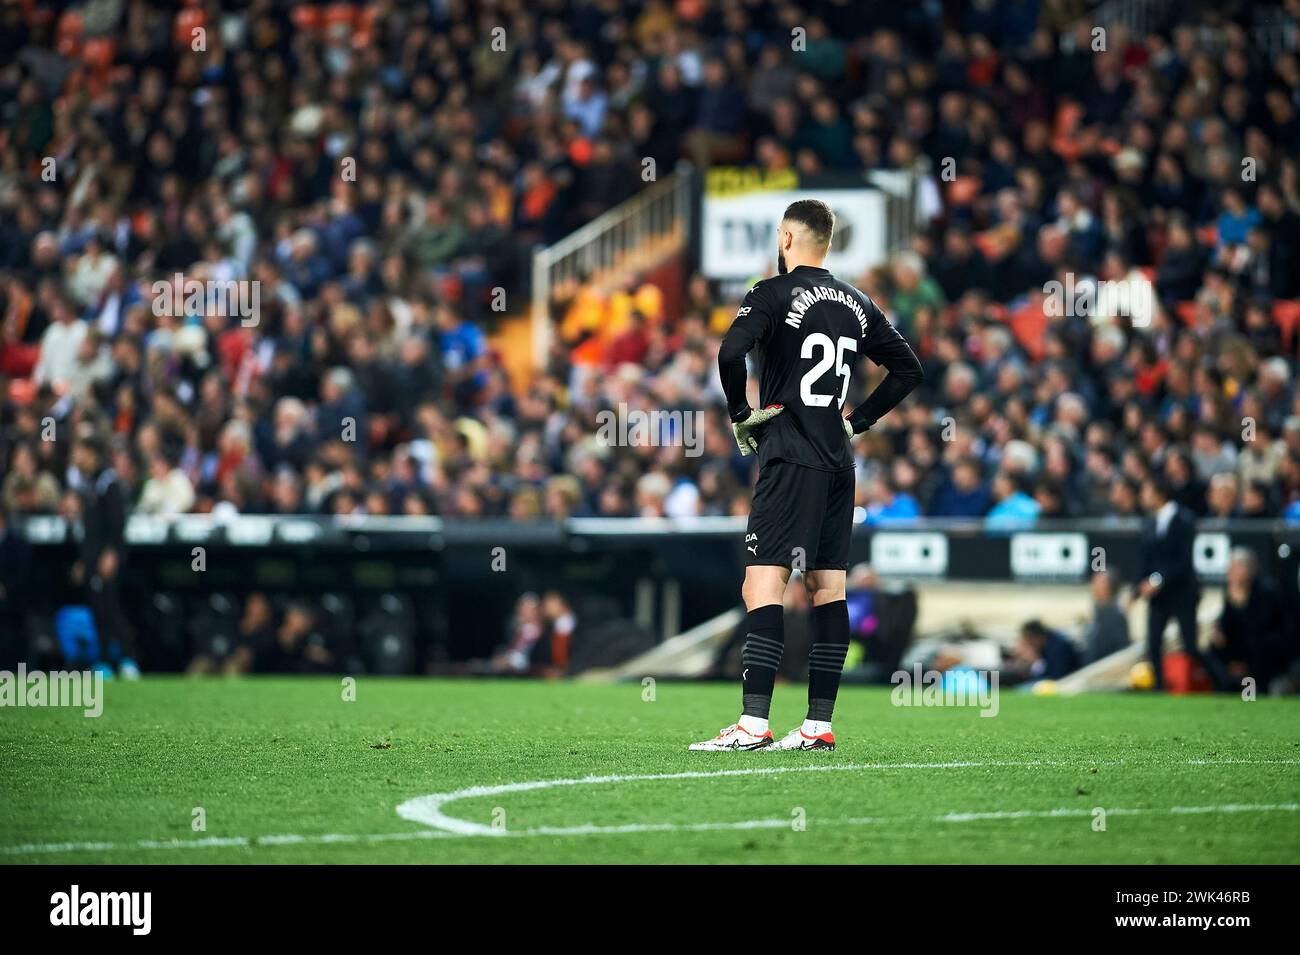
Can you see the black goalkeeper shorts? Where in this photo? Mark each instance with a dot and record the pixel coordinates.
(801, 518)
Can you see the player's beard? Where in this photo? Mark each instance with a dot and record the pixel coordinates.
(780, 261)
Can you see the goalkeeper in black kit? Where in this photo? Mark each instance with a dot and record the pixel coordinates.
(809, 328)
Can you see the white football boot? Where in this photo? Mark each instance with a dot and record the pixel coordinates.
(798, 739)
(733, 737)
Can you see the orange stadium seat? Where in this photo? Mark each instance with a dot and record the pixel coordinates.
(1287, 315)
(1029, 324)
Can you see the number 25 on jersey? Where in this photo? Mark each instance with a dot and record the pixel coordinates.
(828, 354)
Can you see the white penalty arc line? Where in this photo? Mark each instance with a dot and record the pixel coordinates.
(427, 810)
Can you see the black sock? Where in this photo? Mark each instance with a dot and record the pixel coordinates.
(830, 633)
(761, 658)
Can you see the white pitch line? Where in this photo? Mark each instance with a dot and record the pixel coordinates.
(430, 810)
(284, 839)
(423, 809)
(1119, 811)
(592, 830)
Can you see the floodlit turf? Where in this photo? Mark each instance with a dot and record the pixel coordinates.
(286, 771)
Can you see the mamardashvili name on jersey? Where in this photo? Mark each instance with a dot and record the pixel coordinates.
(824, 293)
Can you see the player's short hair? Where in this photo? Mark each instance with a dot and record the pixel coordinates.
(815, 216)
(1160, 484)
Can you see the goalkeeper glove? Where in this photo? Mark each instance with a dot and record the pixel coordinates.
(746, 429)
(848, 428)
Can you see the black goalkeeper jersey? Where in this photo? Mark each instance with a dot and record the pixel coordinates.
(810, 328)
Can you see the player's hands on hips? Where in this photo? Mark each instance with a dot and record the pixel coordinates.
(848, 428)
(747, 429)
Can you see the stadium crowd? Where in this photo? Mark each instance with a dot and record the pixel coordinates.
(368, 385)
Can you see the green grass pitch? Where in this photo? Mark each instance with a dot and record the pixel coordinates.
(285, 771)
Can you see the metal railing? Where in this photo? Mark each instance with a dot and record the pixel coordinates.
(904, 214)
(1272, 31)
(657, 219)
(1140, 16)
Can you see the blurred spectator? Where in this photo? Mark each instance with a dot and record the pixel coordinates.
(60, 346)
(1042, 654)
(27, 489)
(887, 505)
(168, 490)
(255, 634)
(1252, 637)
(1013, 507)
(296, 646)
(913, 291)
(962, 494)
(540, 637)
(1107, 631)
(561, 622)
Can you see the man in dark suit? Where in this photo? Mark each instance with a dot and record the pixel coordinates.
(99, 569)
(15, 595)
(1168, 578)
